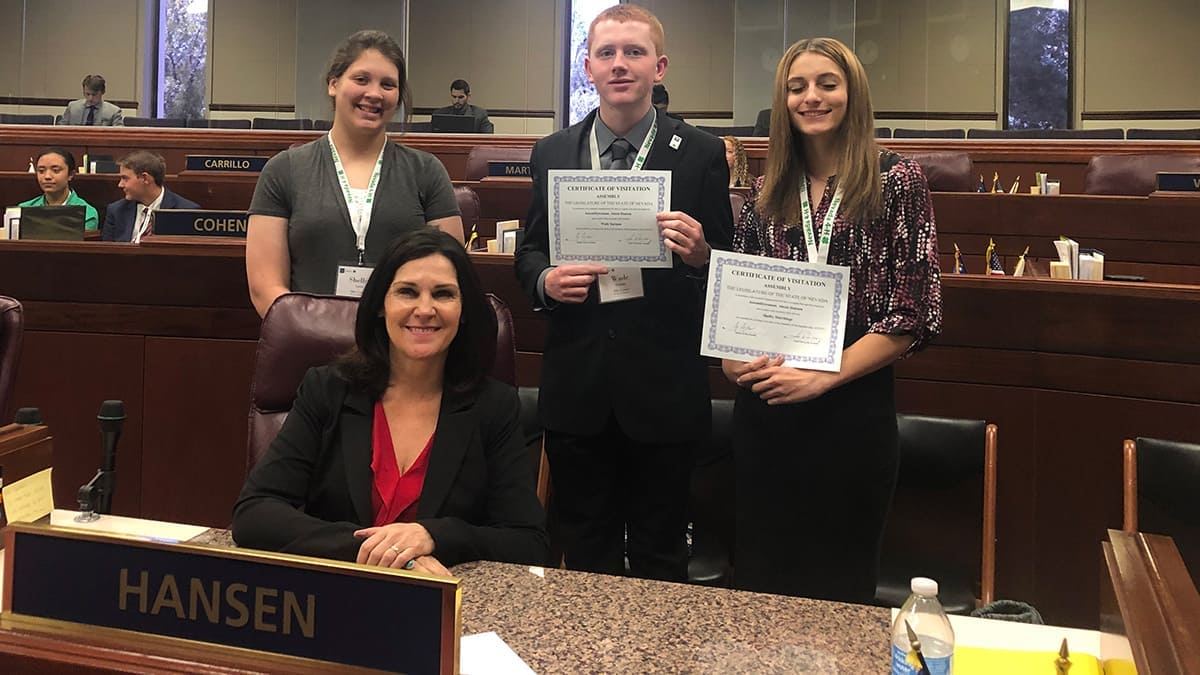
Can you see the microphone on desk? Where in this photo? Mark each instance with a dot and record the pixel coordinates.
(95, 497)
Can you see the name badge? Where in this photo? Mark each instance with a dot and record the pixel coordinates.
(621, 283)
(351, 280)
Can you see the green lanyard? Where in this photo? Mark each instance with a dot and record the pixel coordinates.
(815, 254)
(358, 209)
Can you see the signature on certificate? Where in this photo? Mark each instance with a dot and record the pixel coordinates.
(804, 337)
(585, 237)
(638, 239)
(745, 328)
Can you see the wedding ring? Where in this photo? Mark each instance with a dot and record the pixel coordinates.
(395, 549)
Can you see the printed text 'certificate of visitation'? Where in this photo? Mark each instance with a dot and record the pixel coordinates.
(608, 217)
(758, 305)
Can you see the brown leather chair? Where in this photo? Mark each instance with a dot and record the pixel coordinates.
(301, 331)
(480, 155)
(1161, 494)
(468, 206)
(1133, 174)
(943, 518)
(12, 327)
(945, 171)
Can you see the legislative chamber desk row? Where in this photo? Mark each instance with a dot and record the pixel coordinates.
(557, 621)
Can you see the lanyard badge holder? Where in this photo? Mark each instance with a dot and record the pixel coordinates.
(352, 276)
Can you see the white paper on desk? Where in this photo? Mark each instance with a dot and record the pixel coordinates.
(608, 217)
(755, 305)
(485, 653)
(1068, 252)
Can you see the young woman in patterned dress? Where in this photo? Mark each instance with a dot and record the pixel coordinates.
(817, 451)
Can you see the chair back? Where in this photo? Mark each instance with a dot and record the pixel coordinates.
(468, 207)
(297, 124)
(12, 326)
(155, 122)
(1162, 493)
(711, 498)
(221, 124)
(1133, 174)
(900, 132)
(22, 118)
(1162, 134)
(945, 171)
(942, 521)
(301, 331)
(480, 155)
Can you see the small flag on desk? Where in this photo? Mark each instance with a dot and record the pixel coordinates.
(1020, 271)
(960, 267)
(997, 188)
(982, 186)
(994, 266)
(471, 240)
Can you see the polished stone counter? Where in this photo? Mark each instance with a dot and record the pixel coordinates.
(559, 621)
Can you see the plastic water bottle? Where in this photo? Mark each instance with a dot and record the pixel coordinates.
(924, 613)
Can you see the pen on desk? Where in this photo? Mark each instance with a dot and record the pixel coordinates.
(1062, 664)
(915, 643)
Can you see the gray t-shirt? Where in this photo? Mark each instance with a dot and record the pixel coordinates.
(300, 184)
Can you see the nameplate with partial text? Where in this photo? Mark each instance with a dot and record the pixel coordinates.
(1178, 182)
(201, 223)
(67, 580)
(506, 169)
(225, 163)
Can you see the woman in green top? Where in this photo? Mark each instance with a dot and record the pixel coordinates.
(55, 167)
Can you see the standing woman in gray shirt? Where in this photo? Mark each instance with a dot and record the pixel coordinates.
(334, 204)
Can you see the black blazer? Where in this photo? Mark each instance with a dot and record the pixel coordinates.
(120, 215)
(637, 359)
(312, 490)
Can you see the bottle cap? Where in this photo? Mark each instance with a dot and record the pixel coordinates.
(28, 416)
(924, 586)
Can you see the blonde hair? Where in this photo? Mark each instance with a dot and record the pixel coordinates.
(627, 13)
(739, 174)
(858, 165)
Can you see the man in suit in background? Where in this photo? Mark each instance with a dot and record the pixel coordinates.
(92, 109)
(142, 175)
(460, 96)
(624, 395)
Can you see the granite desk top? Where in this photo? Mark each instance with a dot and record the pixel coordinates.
(561, 621)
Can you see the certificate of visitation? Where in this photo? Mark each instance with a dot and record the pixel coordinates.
(608, 217)
(756, 305)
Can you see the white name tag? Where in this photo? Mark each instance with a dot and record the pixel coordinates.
(351, 280)
(621, 283)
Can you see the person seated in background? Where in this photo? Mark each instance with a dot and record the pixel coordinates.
(762, 123)
(660, 99)
(92, 109)
(55, 168)
(403, 453)
(735, 157)
(142, 175)
(460, 97)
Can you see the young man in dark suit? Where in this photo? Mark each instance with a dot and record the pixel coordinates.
(624, 394)
(142, 175)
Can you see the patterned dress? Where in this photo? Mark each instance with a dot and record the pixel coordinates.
(815, 479)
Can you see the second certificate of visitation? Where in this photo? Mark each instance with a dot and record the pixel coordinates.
(608, 217)
(756, 305)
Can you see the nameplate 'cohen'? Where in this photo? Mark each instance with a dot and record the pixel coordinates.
(200, 223)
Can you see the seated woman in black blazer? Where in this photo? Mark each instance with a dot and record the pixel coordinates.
(403, 453)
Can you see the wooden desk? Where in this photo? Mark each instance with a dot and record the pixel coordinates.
(1067, 370)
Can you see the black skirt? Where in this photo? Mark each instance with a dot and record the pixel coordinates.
(814, 484)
